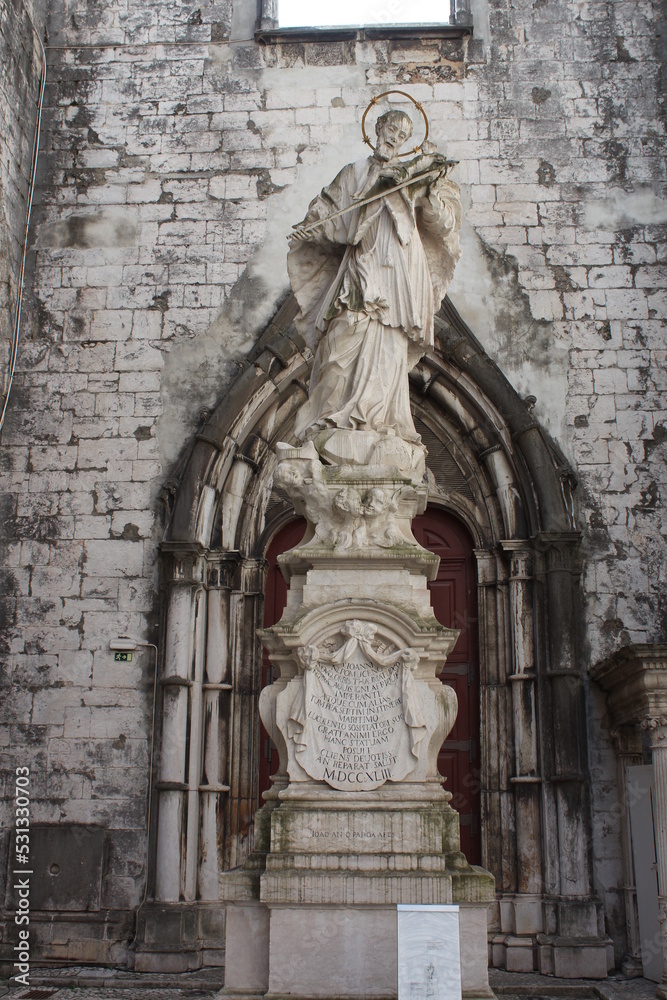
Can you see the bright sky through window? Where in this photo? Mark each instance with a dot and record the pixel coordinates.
(304, 13)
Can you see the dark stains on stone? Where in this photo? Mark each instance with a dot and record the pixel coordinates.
(250, 125)
(613, 628)
(581, 421)
(265, 186)
(546, 174)
(540, 95)
(562, 278)
(88, 231)
(142, 433)
(650, 498)
(77, 326)
(659, 438)
(622, 54)
(444, 72)
(331, 54)
(130, 533)
(520, 337)
(195, 17)
(337, 102)
(219, 31)
(161, 301)
(41, 529)
(617, 153)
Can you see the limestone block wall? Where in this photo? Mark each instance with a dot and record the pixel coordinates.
(177, 153)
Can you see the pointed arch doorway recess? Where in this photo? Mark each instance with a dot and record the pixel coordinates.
(492, 467)
(454, 599)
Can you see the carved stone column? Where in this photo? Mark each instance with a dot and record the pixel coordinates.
(215, 787)
(657, 728)
(627, 744)
(181, 727)
(167, 936)
(521, 918)
(526, 779)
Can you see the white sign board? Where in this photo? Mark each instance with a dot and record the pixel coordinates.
(429, 958)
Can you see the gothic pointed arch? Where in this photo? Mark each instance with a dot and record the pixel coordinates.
(492, 465)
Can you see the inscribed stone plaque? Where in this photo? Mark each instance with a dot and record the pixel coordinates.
(429, 960)
(358, 723)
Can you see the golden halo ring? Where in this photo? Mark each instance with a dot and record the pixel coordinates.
(374, 101)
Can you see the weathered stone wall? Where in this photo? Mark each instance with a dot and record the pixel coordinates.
(177, 154)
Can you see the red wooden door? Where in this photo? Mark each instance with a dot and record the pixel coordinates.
(454, 599)
(275, 599)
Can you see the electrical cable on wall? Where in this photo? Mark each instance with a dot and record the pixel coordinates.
(31, 190)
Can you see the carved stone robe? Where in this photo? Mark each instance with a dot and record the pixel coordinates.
(368, 284)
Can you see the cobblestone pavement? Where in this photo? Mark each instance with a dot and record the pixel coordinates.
(81, 983)
(88, 983)
(520, 986)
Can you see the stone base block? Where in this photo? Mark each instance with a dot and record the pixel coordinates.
(333, 951)
(179, 937)
(71, 938)
(473, 921)
(575, 960)
(247, 949)
(555, 937)
(519, 955)
(320, 952)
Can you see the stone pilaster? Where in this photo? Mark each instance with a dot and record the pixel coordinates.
(526, 780)
(217, 688)
(181, 714)
(657, 728)
(635, 681)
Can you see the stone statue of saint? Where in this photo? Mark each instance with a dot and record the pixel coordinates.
(369, 282)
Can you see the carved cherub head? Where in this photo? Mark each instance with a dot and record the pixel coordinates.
(288, 474)
(376, 502)
(347, 501)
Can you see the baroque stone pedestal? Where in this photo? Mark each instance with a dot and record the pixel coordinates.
(357, 820)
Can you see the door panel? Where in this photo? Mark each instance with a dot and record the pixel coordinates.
(454, 599)
(275, 599)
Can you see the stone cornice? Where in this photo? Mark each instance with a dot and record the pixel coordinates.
(635, 681)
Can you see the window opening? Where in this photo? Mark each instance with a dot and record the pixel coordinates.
(357, 13)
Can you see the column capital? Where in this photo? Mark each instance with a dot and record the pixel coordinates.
(656, 726)
(222, 569)
(559, 550)
(487, 567)
(183, 562)
(520, 552)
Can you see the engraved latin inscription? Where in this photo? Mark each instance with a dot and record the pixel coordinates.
(357, 725)
(356, 709)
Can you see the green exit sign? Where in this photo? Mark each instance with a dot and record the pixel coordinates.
(122, 657)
